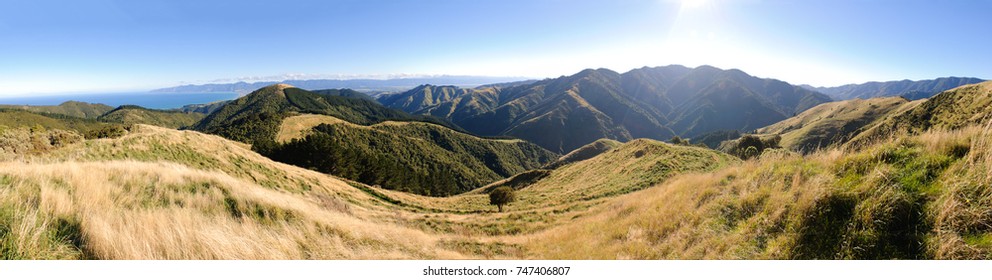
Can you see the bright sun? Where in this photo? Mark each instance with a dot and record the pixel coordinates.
(689, 4)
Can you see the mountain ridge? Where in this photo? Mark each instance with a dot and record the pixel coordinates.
(564, 113)
(913, 90)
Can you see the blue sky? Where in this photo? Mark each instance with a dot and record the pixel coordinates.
(102, 45)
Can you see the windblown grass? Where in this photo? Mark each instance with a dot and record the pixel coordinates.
(157, 193)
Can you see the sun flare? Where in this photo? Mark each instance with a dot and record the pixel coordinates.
(690, 4)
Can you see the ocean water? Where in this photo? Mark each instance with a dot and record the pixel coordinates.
(152, 100)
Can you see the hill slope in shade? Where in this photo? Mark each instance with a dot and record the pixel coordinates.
(130, 114)
(565, 113)
(414, 157)
(68, 108)
(912, 90)
(422, 97)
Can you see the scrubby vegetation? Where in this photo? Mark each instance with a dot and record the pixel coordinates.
(69, 108)
(130, 114)
(35, 140)
(15, 118)
(255, 119)
(750, 146)
(414, 157)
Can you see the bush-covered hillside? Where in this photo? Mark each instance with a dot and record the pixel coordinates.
(130, 114)
(255, 118)
(414, 157)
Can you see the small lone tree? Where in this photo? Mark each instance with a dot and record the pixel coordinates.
(501, 196)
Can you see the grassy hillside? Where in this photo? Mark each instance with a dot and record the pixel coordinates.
(832, 123)
(585, 152)
(68, 108)
(917, 197)
(560, 196)
(957, 108)
(415, 157)
(158, 193)
(15, 118)
(164, 194)
(130, 114)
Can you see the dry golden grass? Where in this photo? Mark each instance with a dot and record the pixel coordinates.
(296, 127)
(729, 214)
(299, 126)
(164, 194)
(834, 122)
(772, 208)
(138, 210)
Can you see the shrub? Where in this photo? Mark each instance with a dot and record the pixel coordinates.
(679, 141)
(110, 131)
(502, 196)
(750, 146)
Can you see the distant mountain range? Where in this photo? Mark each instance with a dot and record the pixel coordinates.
(568, 112)
(912, 90)
(365, 85)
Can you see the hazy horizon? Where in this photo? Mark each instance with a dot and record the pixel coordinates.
(113, 46)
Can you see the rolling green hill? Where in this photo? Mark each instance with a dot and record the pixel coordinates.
(949, 110)
(413, 157)
(255, 118)
(130, 114)
(15, 118)
(68, 108)
(566, 113)
(834, 122)
(860, 122)
(585, 152)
